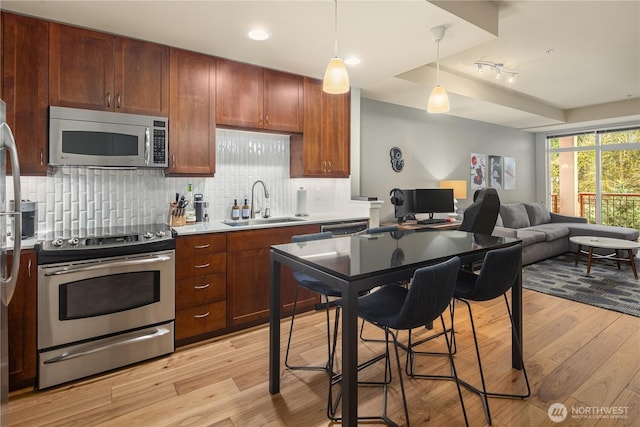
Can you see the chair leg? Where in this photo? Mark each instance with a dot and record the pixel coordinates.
(411, 353)
(410, 362)
(331, 410)
(293, 316)
(454, 372)
(484, 394)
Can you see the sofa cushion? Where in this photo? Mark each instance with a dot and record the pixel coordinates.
(538, 213)
(514, 215)
(500, 231)
(529, 237)
(552, 231)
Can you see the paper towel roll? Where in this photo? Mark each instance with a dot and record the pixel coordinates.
(301, 202)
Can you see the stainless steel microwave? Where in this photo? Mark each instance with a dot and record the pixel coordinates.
(105, 139)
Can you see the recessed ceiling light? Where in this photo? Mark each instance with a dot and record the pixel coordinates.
(258, 35)
(352, 60)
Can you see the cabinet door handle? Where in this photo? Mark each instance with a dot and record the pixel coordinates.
(173, 160)
(260, 119)
(118, 101)
(205, 286)
(41, 157)
(266, 119)
(200, 316)
(329, 166)
(205, 246)
(29, 269)
(109, 99)
(202, 265)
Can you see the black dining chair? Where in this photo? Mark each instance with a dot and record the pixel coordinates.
(314, 285)
(371, 231)
(499, 272)
(393, 308)
(325, 291)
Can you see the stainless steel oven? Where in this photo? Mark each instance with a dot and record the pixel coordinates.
(103, 312)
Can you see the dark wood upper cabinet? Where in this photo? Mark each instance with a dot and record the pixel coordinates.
(25, 88)
(253, 97)
(141, 77)
(283, 101)
(99, 71)
(323, 149)
(192, 128)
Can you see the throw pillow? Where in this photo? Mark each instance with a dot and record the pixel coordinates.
(538, 213)
(514, 215)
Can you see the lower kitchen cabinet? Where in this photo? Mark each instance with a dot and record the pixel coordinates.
(201, 282)
(22, 324)
(248, 275)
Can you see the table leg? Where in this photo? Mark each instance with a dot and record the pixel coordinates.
(632, 261)
(589, 260)
(578, 254)
(350, 358)
(516, 308)
(274, 328)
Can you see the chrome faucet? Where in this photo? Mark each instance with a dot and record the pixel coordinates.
(267, 212)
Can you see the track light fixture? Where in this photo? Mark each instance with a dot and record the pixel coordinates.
(498, 69)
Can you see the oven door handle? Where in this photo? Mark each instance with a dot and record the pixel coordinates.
(96, 348)
(112, 264)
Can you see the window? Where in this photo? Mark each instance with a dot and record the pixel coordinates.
(596, 175)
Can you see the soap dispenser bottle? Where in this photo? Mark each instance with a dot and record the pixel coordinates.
(235, 210)
(246, 210)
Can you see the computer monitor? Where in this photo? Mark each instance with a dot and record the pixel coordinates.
(433, 200)
(405, 210)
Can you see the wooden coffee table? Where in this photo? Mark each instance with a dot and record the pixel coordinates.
(617, 245)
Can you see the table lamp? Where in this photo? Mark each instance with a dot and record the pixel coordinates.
(459, 191)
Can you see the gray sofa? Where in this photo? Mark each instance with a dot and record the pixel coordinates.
(545, 234)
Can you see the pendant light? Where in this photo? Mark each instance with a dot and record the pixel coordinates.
(336, 79)
(439, 100)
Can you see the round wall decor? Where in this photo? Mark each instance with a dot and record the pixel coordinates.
(397, 162)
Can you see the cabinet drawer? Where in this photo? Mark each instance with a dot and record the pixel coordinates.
(201, 244)
(198, 290)
(200, 265)
(200, 320)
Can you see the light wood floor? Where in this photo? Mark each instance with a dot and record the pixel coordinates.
(576, 354)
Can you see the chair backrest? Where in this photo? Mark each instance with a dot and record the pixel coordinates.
(381, 229)
(482, 215)
(299, 238)
(312, 236)
(499, 271)
(429, 295)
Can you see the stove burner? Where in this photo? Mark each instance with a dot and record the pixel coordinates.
(105, 242)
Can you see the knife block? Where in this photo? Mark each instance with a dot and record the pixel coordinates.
(175, 218)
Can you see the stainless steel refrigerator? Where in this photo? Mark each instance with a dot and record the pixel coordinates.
(8, 278)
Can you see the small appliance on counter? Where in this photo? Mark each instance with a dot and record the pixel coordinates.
(200, 207)
(29, 211)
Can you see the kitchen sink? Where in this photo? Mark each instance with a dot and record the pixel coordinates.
(260, 221)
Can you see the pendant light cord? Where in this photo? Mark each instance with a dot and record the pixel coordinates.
(335, 28)
(438, 61)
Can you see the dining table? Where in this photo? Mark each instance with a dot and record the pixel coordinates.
(355, 264)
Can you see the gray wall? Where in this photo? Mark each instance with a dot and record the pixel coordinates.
(435, 147)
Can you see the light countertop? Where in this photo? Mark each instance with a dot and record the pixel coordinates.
(217, 226)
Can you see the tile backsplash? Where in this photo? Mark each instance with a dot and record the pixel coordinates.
(74, 198)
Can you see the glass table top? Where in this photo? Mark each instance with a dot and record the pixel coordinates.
(355, 256)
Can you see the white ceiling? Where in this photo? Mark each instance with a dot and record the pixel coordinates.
(578, 62)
